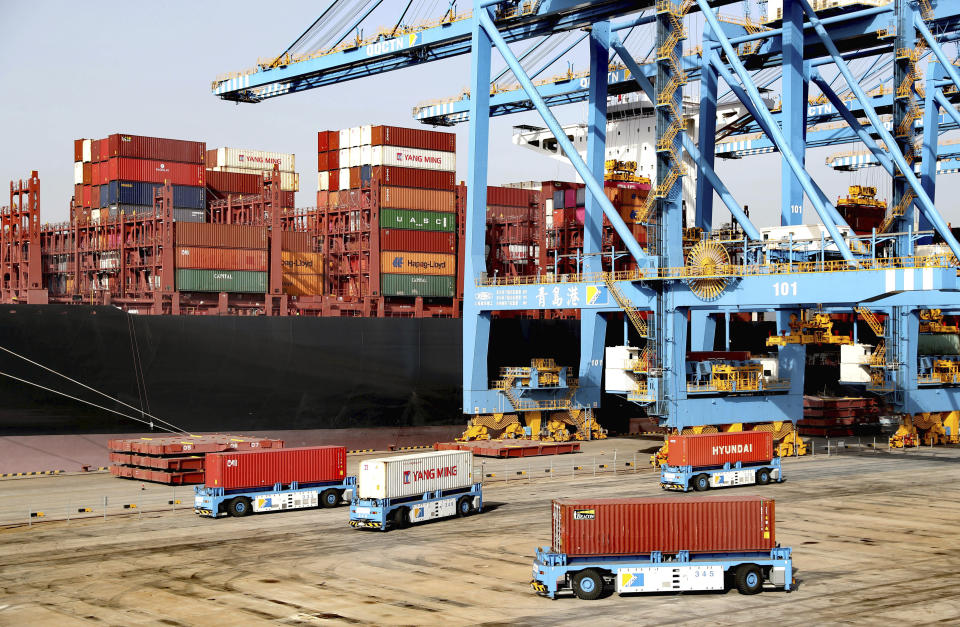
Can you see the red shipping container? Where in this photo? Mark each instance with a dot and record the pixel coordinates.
(716, 449)
(87, 196)
(569, 198)
(334, 180)
(296, 242)
(418, 241)
(149, 171)
(222, 259)
(95, 151)
(221, 235)
(323, 141)
(95, 176)
(413, 138)
(224, 183)
(669, 524)
(78, 194)
(497, 214)
(512, 197)
(355, 177)
(417, 199)
(413, 177)
(333, 139)
(333, 160)
(78, 150)
(263, 469)
(156, 148)
(323, 159)
(104, 148)
(87, 173)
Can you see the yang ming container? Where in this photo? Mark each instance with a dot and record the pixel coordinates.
(413, 158)
(250, 159)
(418, 220)
(414, 475)
(716, 449)
(221, 281)
(263, 468)
(640, 526)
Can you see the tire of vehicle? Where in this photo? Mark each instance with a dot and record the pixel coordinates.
(588, 584)
(749, 579)
(330, 498)
(763, 476)
(239, 507)
(400, 518)
(701, 483)
(464, 506)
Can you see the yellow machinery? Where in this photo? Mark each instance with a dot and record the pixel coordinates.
(707, 263)
(787, 442)
(927, 429)
(810, 329)
(745, 377)
(623, 171)
(931, 321)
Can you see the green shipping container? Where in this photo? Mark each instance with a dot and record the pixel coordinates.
(418, 220)
(417, 285)
(221, 281)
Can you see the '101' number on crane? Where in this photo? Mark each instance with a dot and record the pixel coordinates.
(785, 289)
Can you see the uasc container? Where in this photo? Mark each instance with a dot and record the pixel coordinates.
(410, 475)
(435, 264)
(716, 449)
(262, 469)
(418, 220)
(640, 526)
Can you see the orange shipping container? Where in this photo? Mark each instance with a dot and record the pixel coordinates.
(434, 264)
(417, 199)
(222, 259)
(297, 241)
(221, 235)
(303, 284)
(301, 263)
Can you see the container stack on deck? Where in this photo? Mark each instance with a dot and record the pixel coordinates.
(389, 220)
(514, 226)
(838, 417)
(221, 258)
(254, 162)
(176, 460)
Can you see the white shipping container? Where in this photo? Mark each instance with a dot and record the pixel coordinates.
(87, 150)
(344, 138)
(344, 178)
(345, 157)
(413, 158)
(289, 181)
(253, 159)
(323, 181)
(355, 153)
(366, 135)
(355, 135)
(365, 153)
(78, 174)
(412, 475)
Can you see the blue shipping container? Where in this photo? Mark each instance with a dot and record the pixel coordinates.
(135, 193)
(104, 196)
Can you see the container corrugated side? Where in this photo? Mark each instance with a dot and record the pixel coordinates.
(157, 148)
(511, 196)
(222, 236)
(323, 141)
(189, 215)
(222, 259)
(431, 264)
(418, 241)
(253, 159)
(639, 526)
(234, 182)
(302, 284)
(412, 177)
(87, 153)
(301, 262)
(238, 281)
(413, 158)
(418, 285)
(150, 171)
(413, 138)
(409, 475)
(78, 150)
(417, 199)
(262, 469)
(137, 193)
(418, 220)
(78, 173)
(296, 241)
(716, 449)
(289, 181)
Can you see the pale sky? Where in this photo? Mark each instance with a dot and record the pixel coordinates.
(89, 69)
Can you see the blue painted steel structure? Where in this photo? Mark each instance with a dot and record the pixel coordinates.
(839, 274)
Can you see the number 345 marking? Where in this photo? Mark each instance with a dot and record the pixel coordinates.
(785, 289)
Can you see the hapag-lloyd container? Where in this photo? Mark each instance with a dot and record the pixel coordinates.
(150, 171)
(433, 264)
(250, 159)
(639, 526)
(418, 241)
(716, 449)
(410, 475)
(418, 220)
(222, 236)
(222, 259)
(413, 158)
(262, 469)
(140, 147)
(412, 138)
(301, 262)
(417, 199)
(237, 281)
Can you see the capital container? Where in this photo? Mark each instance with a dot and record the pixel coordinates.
(137, 193)
(410, 475)
(222, 259)
(262, 469)
(153, 171)
(418, 285)
(222, 236)
(237, 281)
(412, 177)
(250, 159)
(413, 158)
(417, 199)
(142, 147)
(226, 183)
(413, 138)
(434, 264)
(639, 526)
(418, 241)
(716, 449)
(418, 220)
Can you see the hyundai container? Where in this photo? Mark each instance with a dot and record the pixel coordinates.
(418, 220)
(238, 281)
(433, 264)
(718, 460)
(157, 148)
(393, 492)
(239, 483)
(661, 544)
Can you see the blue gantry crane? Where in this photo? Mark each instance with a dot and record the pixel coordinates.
(678, 294)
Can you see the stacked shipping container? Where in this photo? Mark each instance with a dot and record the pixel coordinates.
(221, 258)
(253, 163)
